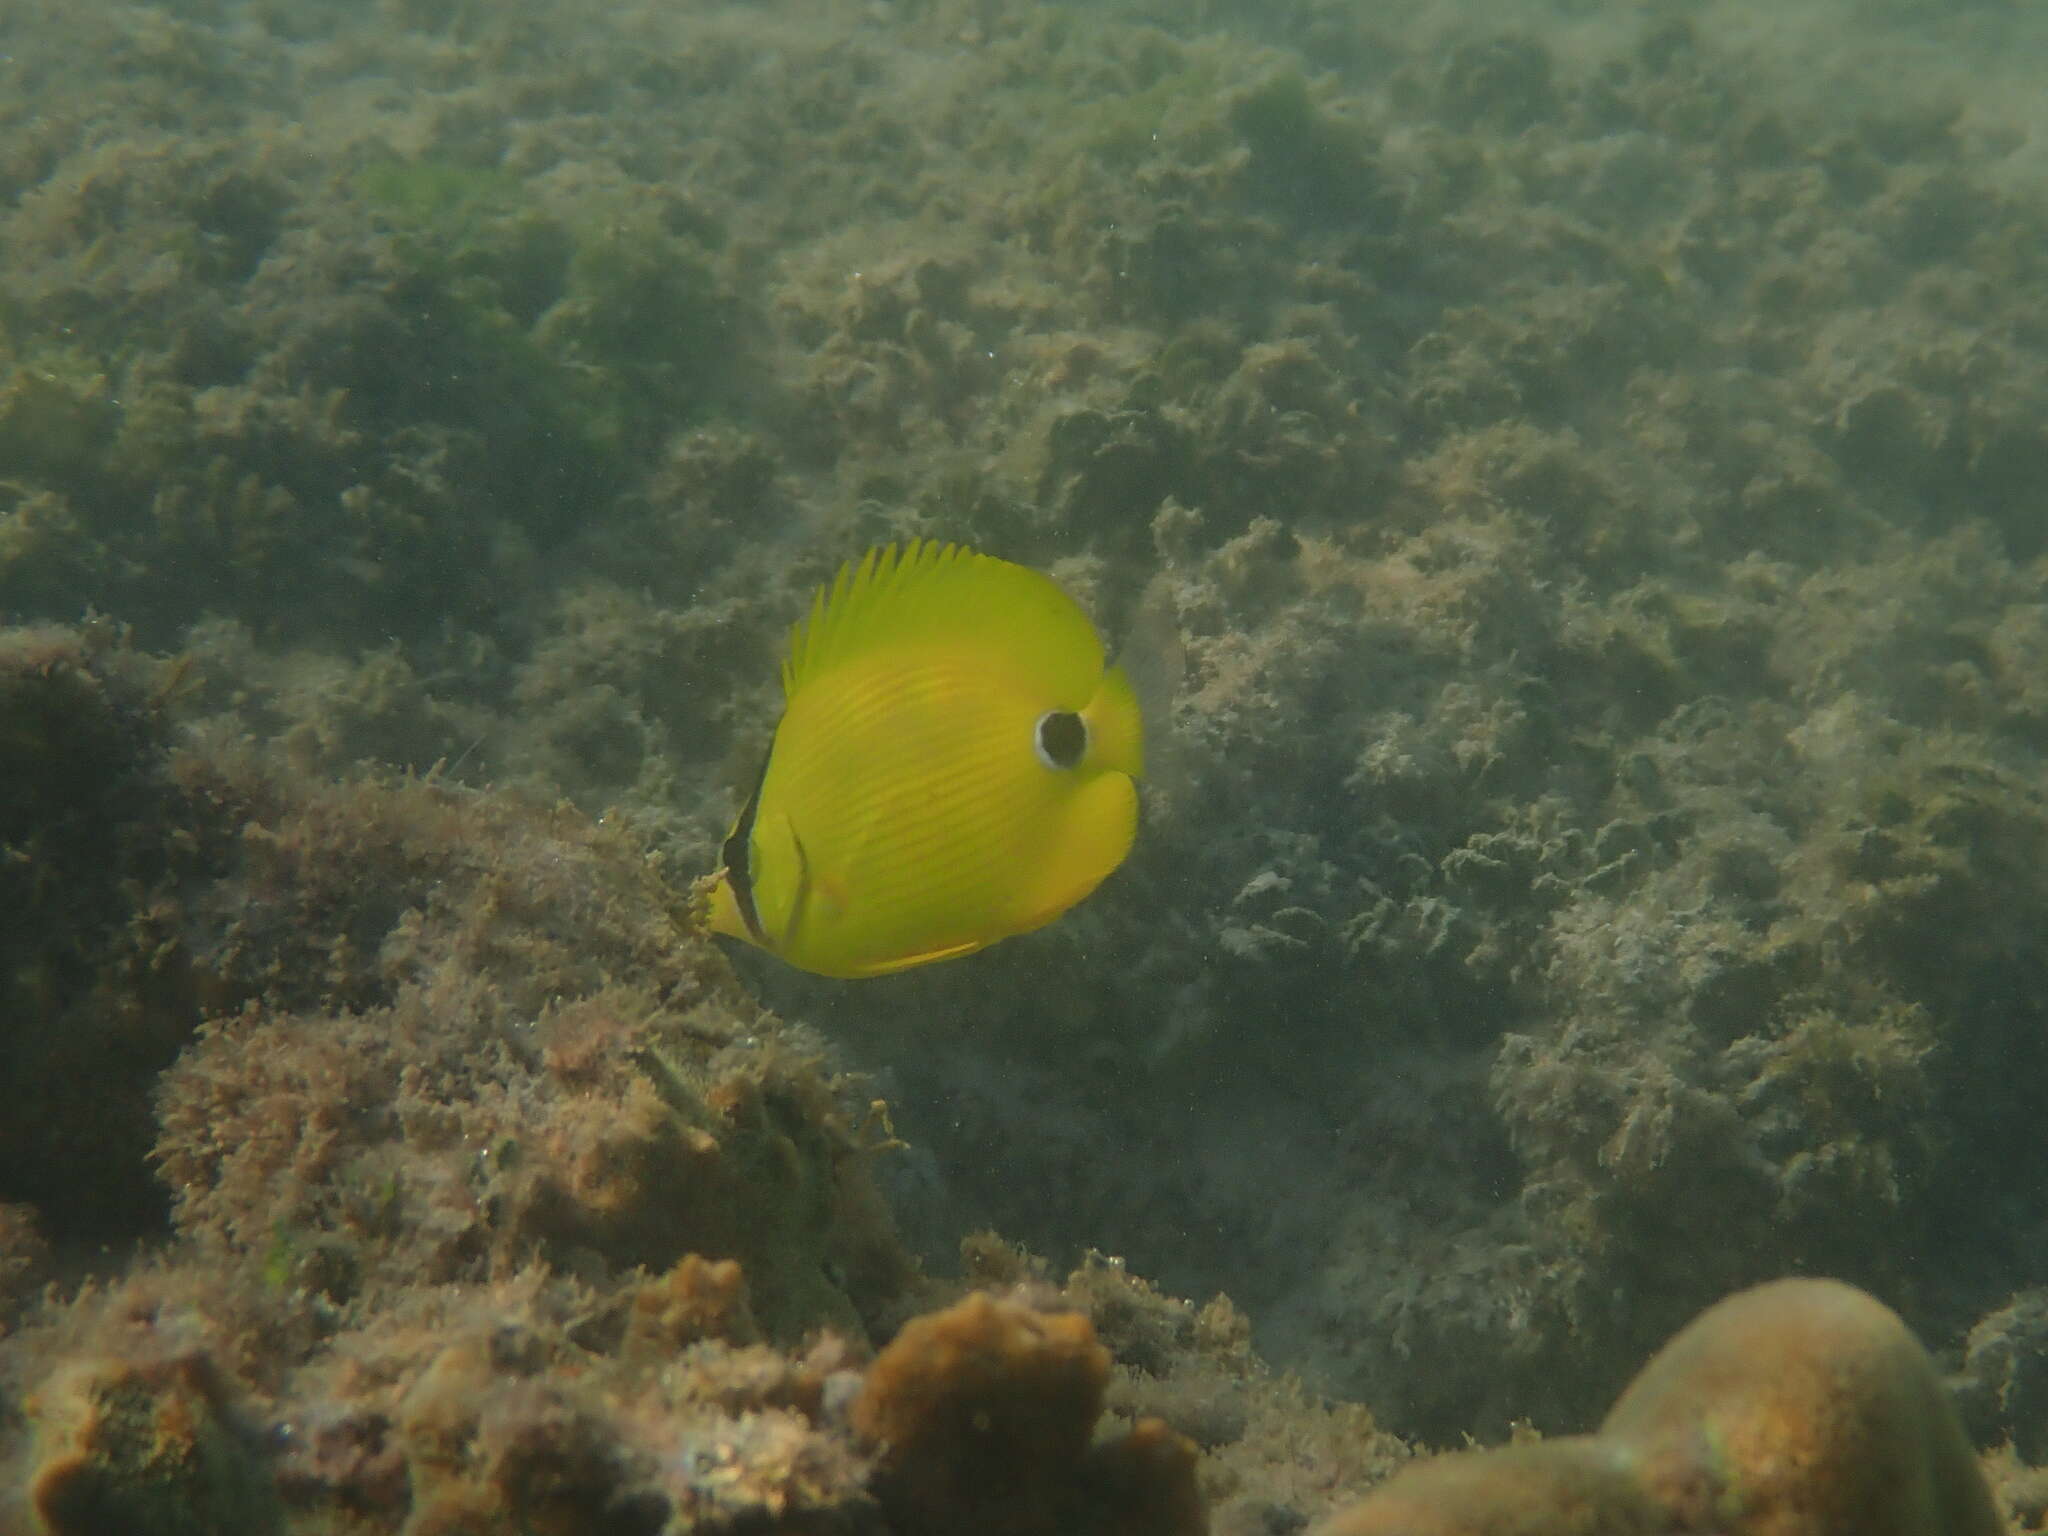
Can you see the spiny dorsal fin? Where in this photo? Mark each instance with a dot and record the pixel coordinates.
(1004, 616)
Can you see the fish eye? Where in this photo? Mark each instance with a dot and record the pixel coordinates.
(1062, 738)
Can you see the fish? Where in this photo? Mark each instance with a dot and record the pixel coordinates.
(956, 764)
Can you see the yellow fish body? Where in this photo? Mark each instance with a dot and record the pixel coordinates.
(954, 765)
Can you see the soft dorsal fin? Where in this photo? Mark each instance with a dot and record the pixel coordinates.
(960, 603)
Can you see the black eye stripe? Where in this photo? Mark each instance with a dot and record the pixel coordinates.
(1061, 738)
(738, 856)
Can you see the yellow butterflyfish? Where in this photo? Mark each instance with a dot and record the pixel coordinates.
(954, 765)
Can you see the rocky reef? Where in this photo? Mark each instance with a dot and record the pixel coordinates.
(493, 1201)
(1590, 461)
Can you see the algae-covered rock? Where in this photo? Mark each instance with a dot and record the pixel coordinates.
(1562, 1488)
(155, 1450)
(984, 1413)
(1802, 1405)
(495, 1200)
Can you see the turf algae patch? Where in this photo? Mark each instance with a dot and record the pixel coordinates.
(146, 1448)
(460, 1050)
(443, 1079)
(984, 1413)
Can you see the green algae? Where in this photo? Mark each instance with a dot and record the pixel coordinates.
(644, 331)
(1305, 164)
(1124, 130)
(598, 329)
(57, 413)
